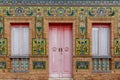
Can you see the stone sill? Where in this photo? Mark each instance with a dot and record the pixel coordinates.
(101, 71)
(19, 71)
(19, 56)
(101, 57)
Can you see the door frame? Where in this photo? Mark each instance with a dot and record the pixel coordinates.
(73, 20)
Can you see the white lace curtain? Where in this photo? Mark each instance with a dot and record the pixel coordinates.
(20, 41)
(101, 40)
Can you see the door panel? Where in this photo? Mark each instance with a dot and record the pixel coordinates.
(67, 51)
(60, 50)
(54, 51)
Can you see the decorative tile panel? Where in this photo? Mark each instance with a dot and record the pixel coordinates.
(39, 65)
(3, 46)
(19, 11)
(39, 46)
(3, 65)
(60, 11)
(101, 11)
(61, 2)
(117, 46)
(117, 64)
(3, 41)
(39, 27)
(82, 46)
(82, 65)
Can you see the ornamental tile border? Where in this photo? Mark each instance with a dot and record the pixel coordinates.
(61, 2)
(82, 65)
(41, 65)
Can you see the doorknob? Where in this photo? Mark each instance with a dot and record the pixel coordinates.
(59, 49)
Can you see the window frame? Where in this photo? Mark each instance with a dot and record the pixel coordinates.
(113, 34)
(98, 26)
(20, 26)
(7, 33)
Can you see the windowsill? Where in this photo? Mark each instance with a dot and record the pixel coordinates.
(101, 71)
(39, 56)
(19, 56)
(101, 57)
(17, 71)
(3, 55)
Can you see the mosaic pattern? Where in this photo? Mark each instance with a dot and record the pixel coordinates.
(19, 11)
(1, 27)
(57, 11)
(39, 47)
(3, 46)
(117, 64)
(117, 46)
(82, 65)
(60, 11)
(3, 65)
(101, 11)
(82, 46)
(82, 26)
(61, 2)
(39, 27)
(39, 65)
(118, 29)
(3, 41)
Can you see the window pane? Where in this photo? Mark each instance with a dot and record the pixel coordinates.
(100, 41)
(20, 64)
(25, 43)
(15, 41)
(104, 41)
(95, 39)
(101, 64)
(20, 41)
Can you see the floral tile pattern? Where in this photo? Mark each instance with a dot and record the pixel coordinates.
(39, 65)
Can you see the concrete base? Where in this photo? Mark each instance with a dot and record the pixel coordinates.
(60, 78)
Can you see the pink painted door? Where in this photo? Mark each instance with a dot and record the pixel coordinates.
(66, 45)
(60, 50)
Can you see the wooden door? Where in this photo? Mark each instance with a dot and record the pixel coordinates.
(60, 50)
(66, 45)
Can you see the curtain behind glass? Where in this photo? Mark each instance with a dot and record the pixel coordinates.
(20, 41)
(100, 40)
(95, 38)
(104, 41)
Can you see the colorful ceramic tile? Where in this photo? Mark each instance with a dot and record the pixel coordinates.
(39, 27)
(60, 11)
(39, 47)
(117, 64)
(39, 64)
(117, 46)
(101, 11)
(82, 46)
(60, 2)
(3, 46)
(3, 65)
(82, 65)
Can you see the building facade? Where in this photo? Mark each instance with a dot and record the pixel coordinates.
(59, 40)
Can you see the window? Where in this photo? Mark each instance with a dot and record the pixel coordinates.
(20, 64)
(101, 47)
(19, 46)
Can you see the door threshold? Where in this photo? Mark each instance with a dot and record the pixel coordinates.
(60, 79)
